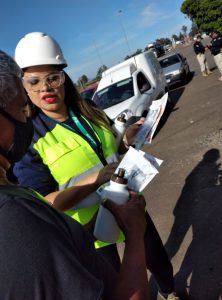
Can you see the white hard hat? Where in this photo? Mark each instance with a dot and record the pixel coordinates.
(37, 48)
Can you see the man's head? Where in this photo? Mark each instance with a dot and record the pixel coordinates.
(15, 132)
(9, 72)
(214, 34)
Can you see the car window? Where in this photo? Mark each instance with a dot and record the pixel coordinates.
(114, 94)
(169, 61)
(142, 82)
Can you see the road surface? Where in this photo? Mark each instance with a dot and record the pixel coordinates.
(185, 198)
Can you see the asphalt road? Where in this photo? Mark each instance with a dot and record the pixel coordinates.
(185, 198)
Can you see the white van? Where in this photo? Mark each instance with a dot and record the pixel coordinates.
(130, 87)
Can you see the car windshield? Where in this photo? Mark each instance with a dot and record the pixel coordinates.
(114, 94)
(169, 61)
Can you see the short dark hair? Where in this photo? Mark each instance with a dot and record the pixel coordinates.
(9, 70)
(213, 31)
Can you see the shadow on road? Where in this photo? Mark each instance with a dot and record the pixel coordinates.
(213, 69)
(199, 208)
(174, 96)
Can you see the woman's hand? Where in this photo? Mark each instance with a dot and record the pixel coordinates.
(105, 173)
(131, 132)
(71, 196)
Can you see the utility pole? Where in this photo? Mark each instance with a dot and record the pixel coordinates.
(124, 32)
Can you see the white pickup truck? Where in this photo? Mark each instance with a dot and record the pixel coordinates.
(130, 87)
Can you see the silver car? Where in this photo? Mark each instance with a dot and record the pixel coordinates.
(175, 68)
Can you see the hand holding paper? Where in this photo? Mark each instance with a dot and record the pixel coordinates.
(140, 168)
(146, 131)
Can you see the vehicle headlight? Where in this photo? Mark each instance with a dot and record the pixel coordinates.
(127, 114)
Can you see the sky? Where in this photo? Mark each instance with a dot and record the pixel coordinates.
(91, 33)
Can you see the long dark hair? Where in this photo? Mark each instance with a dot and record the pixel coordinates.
(88, 108)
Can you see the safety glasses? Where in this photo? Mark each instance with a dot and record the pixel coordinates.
(35, 84)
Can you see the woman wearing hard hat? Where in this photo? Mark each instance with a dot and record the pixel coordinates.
(74, 148)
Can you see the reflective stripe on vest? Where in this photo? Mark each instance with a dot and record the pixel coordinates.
(78, 212)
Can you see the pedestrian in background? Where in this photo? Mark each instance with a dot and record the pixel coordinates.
(216, 50)
(199, 49)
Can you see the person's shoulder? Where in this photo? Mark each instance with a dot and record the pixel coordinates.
(42, 125)
(12, 199)
(11, 192)
(34, 204)
(4, 197)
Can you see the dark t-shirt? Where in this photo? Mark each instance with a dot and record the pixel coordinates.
(216, 45)
(44, 254)
(198, 47)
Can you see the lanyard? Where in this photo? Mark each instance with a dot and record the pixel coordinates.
(81, 128)
(94, 142)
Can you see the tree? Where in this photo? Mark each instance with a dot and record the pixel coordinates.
(127, 57)
(207, 14)
(163, 41)
(181, 36)
(100, 70)
(80, 84)
(194, 29)
(138, 51)
(184, 30)
(84, 79)
(175, 37)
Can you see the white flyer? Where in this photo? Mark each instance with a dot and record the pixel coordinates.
(146, 132)
(140, 168)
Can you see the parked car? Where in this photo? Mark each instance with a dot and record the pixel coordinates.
(89, 92)
(130, 87)
(167, 48)
(175, 68)
(157, 49)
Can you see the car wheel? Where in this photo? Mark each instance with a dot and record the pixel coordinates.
(188, 74)
(169, 104)
(184, 77)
